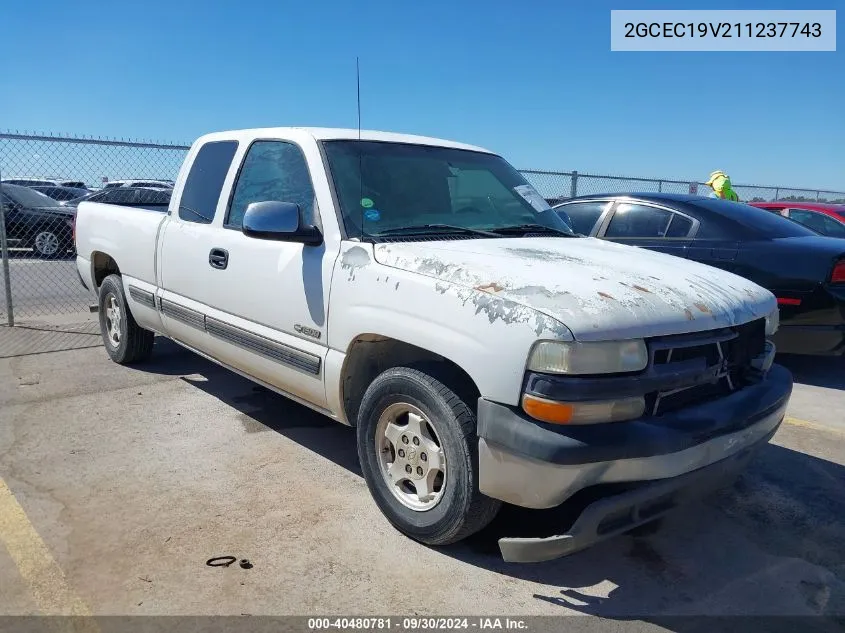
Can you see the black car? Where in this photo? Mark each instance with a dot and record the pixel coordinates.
(154, 199)
(37, 221)
(805, 271)
(61, 194)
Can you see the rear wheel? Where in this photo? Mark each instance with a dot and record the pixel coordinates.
(419, 455)
(126, 342)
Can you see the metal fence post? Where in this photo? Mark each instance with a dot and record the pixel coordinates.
(4, 254)
(777, 193)
(818, 193)
(7, 278)
(574, 189)
(659, 186)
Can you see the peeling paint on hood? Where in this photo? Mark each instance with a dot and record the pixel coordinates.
(599, 290)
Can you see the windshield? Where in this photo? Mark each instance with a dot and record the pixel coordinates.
(757, 220)
(28, 197)
(382, 187)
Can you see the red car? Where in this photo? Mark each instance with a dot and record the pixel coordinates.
(827, 219)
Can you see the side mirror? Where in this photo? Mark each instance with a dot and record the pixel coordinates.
(283, 221)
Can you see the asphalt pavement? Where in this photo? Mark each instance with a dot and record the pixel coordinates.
(122, 483)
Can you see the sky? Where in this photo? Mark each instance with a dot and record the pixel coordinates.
(534, 81)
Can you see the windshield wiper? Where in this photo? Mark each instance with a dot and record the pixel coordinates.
(531, 228)
(422, 229)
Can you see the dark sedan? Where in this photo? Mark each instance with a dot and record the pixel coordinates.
(37, 221)
(61, 194)
(804, 270)
(156, 199)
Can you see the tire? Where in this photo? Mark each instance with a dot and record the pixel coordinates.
(414, 399)
(48, 243)
(126, 342)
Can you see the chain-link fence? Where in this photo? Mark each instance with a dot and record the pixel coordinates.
(45, 307)
(554, 185)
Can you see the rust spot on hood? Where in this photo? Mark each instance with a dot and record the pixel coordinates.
(688, 312)
(491, 287)
(703, 308)
(641, 289)
(606, 296)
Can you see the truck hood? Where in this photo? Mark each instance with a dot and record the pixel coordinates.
(599, 290)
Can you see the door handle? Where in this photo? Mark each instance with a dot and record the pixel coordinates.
(218, 258)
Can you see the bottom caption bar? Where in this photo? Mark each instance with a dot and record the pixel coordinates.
(570, 623)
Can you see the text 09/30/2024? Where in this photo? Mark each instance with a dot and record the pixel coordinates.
(416, 623)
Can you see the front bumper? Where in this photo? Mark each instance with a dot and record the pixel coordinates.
(536, 465)
(620, 513)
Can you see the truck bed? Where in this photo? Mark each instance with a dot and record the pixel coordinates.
(125, 232)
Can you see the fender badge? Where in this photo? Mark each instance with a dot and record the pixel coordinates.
(307, 331)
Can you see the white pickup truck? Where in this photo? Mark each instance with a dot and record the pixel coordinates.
(422, 291)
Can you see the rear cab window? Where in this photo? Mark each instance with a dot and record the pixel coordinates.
(204, 183)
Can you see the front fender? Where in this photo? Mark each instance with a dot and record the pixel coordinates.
(487, 336)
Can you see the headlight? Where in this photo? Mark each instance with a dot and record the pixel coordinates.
(604, 357)
(772, 322)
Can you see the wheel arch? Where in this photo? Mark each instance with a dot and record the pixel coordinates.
(368, 355)
(102, 265)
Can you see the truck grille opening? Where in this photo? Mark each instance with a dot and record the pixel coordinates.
(724, 355)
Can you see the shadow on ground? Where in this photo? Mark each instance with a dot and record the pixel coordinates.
(261, 409)
(771, 544)
(819, 371)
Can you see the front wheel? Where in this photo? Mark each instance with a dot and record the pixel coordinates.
(419, 455)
